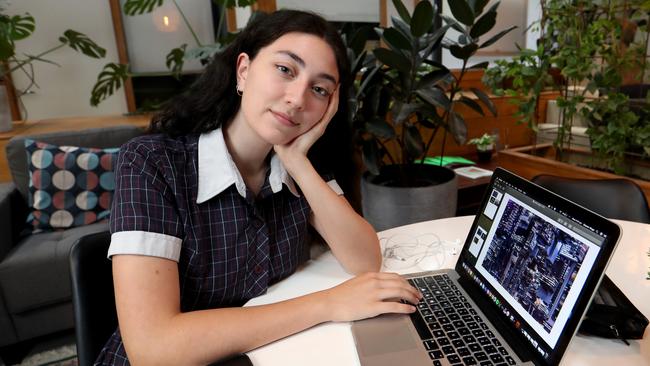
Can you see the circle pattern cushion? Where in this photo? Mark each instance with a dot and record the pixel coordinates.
(69, 186)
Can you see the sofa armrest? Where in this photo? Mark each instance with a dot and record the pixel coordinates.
(13, 211)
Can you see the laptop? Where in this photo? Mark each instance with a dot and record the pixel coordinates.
(529, 268)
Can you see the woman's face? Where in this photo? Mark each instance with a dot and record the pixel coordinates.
(287, 86)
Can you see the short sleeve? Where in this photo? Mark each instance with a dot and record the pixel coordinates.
(332, 183)
(144, 214)
(335, 186)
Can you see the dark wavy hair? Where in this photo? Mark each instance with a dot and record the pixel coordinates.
(212, 101)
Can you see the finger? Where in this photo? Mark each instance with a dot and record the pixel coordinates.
(395, 278)
(400, 293)
(332, 107)
(394, 307)
(334, 103)
(399, 284)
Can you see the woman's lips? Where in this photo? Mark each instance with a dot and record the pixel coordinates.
(284, 119)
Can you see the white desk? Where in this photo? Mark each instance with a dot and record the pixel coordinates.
(332, 344)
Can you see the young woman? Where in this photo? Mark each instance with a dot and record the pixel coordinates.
(216, 207)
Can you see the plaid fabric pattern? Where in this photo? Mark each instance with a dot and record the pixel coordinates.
(233, 247)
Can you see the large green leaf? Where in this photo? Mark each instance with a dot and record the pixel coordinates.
(486, 100)
(358, 63)
(380, 128)
(80, 42)
(6, 43)
(12, 29)
(405, 111)
(454, 24)
(478, 5)
(403, 28)
(472, 104)
(435, 97)
(135, 7)
(464, 52)
(458, 128)
(359, 38)
(430, 79)
(432, 41)
(422, 18)
(367, 79)
(396, 40)
(413, 141)
(175, 60)
(21, 26)
(462, 11)
(371, 156)
(108, 81)
(496, 37)
(484, 24)
(401, 10)
(393, 59)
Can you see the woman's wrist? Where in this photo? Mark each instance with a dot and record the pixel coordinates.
(296, 165)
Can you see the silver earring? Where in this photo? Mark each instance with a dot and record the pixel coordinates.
(239, 91)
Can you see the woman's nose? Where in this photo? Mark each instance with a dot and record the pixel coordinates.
(295, 94)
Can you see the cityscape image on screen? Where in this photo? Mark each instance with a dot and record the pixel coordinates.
(534, 261)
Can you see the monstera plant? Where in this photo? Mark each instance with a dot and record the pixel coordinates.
(409, 97)
(14, 28)
(113, 76)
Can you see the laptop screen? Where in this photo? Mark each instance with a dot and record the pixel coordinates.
(538, 259)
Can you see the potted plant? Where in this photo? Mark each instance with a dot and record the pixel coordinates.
(14, 28)
(597, 48)
(402, 102)
(484, 146)
(114, 75)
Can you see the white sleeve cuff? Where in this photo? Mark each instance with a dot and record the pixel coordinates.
(145, 243)
(335, 187)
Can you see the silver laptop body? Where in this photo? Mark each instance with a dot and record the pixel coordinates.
(532, 261)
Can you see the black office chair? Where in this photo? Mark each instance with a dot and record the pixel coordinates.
(613, 198)
(93, 299)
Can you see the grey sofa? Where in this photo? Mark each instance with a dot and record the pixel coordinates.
(35, 294)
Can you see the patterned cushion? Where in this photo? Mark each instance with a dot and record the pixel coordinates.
(68, 185)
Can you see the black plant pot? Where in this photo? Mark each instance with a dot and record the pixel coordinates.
(484, 156)
(388, 203)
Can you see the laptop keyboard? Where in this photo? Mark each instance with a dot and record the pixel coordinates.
(451, 329)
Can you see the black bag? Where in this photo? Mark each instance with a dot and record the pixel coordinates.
(612, 315)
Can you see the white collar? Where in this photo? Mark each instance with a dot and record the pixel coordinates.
(217, 170)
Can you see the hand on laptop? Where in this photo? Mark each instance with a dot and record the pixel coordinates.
(369, 295)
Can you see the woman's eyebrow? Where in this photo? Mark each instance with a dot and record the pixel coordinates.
(301, 62)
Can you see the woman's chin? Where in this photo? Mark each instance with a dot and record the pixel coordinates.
(278, 138)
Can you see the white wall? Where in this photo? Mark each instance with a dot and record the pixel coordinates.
(337, 10)
(149, 40)
(65, 91)
(509, 13)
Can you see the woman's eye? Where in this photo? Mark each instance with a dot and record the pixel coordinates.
(321, 91)
(283, 69)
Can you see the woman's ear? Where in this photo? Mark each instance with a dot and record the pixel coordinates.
(243, 64)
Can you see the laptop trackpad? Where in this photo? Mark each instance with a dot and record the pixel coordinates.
(384, 334)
